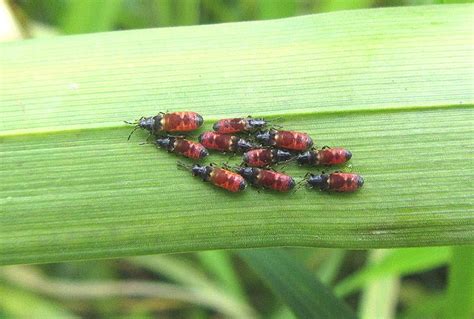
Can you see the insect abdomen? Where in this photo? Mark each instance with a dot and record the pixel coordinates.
(216, 141)
(274, 180)
(230, 126)
(296, 141)
(344, 182)
(181, 121)
(228, 180)
(258, 157)
(190, 149)
(332, 156)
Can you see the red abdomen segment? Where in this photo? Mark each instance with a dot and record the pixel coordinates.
(274, 180)
(230, 126)
(290, 140)
(190, 149)
(181, 121)
(344, 182)
(228, 180)
(332, 156)
(260, 157)
(216, 141)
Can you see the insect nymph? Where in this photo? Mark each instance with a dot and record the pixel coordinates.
(180, 145)
(239, 125)
(325, 156)
(267, 178)
(290, 140)
(224, 142)
(169, 122)
(336, 182)
(262, 157)
(220, 177)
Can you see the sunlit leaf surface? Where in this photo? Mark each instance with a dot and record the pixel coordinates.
(395, 86)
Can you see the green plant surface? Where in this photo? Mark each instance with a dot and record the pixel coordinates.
(397, 262)
(83, 16)
(297, 287)
(188, 274)
(31, 279)
(218, 263)
(460, 303)
(13, 303)
(379, 298)
(392, 85)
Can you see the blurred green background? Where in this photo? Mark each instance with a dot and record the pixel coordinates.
(413, 283)
(51, 17)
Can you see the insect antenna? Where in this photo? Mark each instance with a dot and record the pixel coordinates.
(302, 182)
(183, 166)
(273, 123)
(133, 131)
(137, 126)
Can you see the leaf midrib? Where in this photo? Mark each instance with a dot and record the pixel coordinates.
(210, 119)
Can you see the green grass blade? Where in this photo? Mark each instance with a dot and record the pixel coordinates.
(29, 278)
(334, 5)
(396, 262)
(270, 9)
(296, 286)
(187, 12)
(379, 298)
(428, 307)
(461, 284)
(328, 270)
(187, 273)
(13, 305)
(219, 264)
(164, 11)
(84, 16)
(174, 268)
(392, 85)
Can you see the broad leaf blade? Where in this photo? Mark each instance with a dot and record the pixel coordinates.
(392, 85)
(303, 293)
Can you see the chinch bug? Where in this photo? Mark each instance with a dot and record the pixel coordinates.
(337, 182)
(220, 177)
(324, 156)
(169, 122)
(262, 157)
(267, 179)
(289, 140)
(224, 143)
(239, 125)
(179, 145)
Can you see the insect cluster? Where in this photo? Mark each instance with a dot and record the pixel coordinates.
(261, 146)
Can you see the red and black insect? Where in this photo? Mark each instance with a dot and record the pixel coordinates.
(220, 177)
(224, 143)
(290, 140)
(262, 157)
(169, 122)
(337, 182)
(179, 145)
(267, 178)
(324, 156)
(239, 125)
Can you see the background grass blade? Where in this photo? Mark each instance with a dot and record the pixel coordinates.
(379, 298)
(29, 278)
(219, 264)
(392, 85)
(85, 16)
(395, 262)
(461, 283)
(303, 293)
(13, 303)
